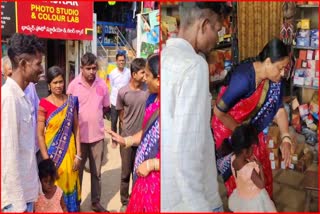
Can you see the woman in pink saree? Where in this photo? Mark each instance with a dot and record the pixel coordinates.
(253, 94)
(145, 196)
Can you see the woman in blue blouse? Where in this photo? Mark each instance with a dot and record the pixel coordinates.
(253, 94)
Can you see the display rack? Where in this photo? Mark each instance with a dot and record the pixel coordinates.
(304, 11)
(107, 35)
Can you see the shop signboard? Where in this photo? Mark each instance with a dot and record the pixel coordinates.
(8, 19)
(68, 20)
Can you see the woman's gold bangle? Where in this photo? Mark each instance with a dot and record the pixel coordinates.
(128, 141)
(287, 136)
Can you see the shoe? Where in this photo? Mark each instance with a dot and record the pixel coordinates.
(98, 208)
(123, 209)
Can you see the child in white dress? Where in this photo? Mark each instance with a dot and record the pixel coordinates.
(250, 194)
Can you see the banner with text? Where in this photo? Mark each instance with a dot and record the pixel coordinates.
(56, 19)
(8, 19)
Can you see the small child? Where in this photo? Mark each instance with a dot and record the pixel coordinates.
(52, 199)
(250, 194)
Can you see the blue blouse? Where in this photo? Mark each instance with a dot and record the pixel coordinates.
(242, 85)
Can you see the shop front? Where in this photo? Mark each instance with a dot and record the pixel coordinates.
(65, 27)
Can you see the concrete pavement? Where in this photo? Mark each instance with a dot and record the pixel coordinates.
(111, 171)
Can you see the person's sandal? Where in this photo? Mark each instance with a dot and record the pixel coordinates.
(98, 208)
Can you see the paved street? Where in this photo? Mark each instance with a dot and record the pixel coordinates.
(110, 197)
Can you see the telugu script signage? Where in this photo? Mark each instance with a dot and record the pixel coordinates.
(56, 19)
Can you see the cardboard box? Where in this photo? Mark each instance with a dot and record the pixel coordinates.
(304, 64)
(294, 141)
(312, 65)
(301, 2)
(314, 42)
(301, 166)
(291, 166)
(304, 33)
(216, 63)
(304, 111)
(306, 94)
(316, 56)
(305, 161)
(303, 54)
(310, 54)
(309, 73)
(271, 156)
(298, 80)
(314, 104)
(315, 82)
(305, 24)
(298, 153)
(296, 121)
(294, 158)
(303, 41)
(312, 126)
(274, 134)
(298, 63)
(282, 164)
(314, 33)
(275, 164)
(274, 153)
(295, 103)
(308, 81)
(300, 72)
(270, 143)
(301, 139)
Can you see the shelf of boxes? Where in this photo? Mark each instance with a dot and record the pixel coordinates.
(308, 5)
(306, 52)
(304, 86)
(305, 47)
(167, 5)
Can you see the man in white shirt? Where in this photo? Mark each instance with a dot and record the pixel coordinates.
(20, 185)
(188, 167)
(119, 77)
(30, 92)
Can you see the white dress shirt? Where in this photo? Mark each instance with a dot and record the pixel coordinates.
(19, 178)
(188, 167)
(118, 80)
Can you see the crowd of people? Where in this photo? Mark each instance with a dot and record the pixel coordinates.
(48, 141)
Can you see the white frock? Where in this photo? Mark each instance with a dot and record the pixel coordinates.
(247, 197)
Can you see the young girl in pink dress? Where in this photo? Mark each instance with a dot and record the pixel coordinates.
(52, 198)
(250, 194)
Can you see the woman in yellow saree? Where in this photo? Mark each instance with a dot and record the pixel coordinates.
(58, 135)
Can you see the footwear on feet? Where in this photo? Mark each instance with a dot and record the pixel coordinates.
(123, 208)
(98, 208)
